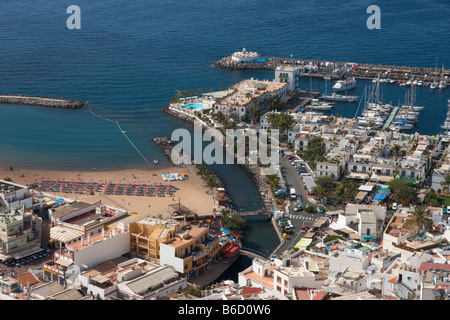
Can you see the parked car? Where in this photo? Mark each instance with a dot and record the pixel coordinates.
(394, 206)
(298, 208)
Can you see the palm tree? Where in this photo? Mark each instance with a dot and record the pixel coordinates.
(395, 150)
(419, 220)
(282, 121)
(273, 181)
(446, 182)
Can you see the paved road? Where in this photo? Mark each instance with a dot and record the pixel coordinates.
(298, 219)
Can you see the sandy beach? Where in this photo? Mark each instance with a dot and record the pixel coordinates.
(193, 193)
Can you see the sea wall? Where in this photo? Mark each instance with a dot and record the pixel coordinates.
(363, 70)
(39, 101)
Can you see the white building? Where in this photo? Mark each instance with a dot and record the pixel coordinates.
(245, 56)
(340, 261)
(401, 281)
(14, 195)
(289, 75)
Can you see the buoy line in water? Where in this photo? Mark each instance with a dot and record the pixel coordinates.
(123, 132)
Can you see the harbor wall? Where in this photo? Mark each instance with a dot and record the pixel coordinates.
(397, 72)
(40, 101)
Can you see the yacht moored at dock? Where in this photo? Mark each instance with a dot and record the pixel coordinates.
(344, 85)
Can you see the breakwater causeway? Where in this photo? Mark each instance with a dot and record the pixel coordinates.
(40, 101)
(358, 70)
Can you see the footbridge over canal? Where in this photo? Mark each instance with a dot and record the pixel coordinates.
(253, 253)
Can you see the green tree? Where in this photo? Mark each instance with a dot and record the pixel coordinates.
(395, 150)
(404, 192)
(446, 183)
(315, 151)
(273, 181)
(233, 222)
(419, 220)
(281, 121)
(346, 190)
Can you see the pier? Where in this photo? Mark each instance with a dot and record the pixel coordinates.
(391, 117)
(40, 101)
(322, 68)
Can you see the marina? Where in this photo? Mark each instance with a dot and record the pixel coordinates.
(332, 70)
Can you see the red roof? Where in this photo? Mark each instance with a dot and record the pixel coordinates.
(427, 266)
(26, 278)
(320, 295)
(248, 291)
(393, 279)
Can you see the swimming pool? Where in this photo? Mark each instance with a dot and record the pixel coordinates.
(195, 106)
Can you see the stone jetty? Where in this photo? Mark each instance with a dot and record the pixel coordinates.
(39, 101)
(166, 146)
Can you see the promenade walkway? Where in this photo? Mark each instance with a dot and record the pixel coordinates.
(219, 267)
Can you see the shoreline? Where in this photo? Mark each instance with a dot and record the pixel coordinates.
(191, 193)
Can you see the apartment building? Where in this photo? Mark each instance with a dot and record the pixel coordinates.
(189, 248)
(20, 233)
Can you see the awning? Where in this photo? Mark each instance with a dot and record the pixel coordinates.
(361, 195)
(303, 243)
(366, 188)
(380, 196)
(100, 278)
(63, 262)
(226, 248)
(334, 212)
(231, 252)
(63, 234)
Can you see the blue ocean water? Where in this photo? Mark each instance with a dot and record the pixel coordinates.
(130, 58)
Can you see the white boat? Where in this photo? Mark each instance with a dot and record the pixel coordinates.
(155, 161)
(433, 86)
(410, 82)
(420, 83)
(442, 85)
(319, 105)
(338, 97)
(346, 84)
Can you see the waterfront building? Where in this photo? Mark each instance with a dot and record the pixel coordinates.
(188, 247)
(79, 219)
(87, 252)
(13, 195)
(289, 75)
(20, 233)
(239, 101)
